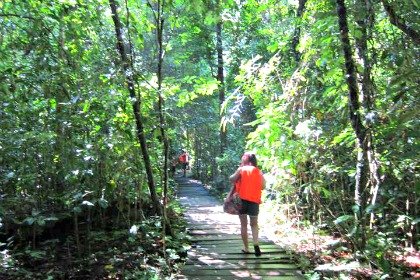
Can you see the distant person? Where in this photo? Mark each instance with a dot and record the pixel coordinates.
(248, 182)
(184, 161)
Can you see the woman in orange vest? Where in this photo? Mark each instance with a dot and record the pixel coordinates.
(248, 181)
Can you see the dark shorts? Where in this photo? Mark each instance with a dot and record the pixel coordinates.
(250, 208)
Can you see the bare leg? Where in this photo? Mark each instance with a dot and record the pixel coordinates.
(254, 228)
(244, 231)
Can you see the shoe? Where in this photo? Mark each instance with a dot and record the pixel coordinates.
(257, 250)
(246, 252)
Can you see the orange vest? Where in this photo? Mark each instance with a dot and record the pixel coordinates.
(250, 184)
(183, 158)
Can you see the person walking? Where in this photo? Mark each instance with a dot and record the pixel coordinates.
(248, 181)
(184, 161)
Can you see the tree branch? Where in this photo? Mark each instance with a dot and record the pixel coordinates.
(16, 15)
(399, 22)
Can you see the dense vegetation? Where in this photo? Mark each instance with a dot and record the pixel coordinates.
(98, 96)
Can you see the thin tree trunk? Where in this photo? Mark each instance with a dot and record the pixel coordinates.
(139, 202)
(76, 233)
(296, 33)
(220, 78)
(367, 93)
(197, 153)
(138, 205)
(128, 72)
(88, 230)
(414, 227)
(159, 39)
(362, 165)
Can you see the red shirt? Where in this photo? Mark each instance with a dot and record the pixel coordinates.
(183, 158)
(250, 184)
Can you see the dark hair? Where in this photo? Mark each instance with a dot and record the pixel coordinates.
(250, 157)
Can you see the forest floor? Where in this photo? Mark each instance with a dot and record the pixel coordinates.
(327, 255)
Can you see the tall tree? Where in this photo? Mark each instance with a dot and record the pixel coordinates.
(365, 21)
(362, 165)
(158, 14)
(135, 100)
(220, 73)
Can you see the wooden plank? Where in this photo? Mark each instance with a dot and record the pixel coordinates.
(268, 247)
(240, 272)
(228, 250)
(239, 277)
(206, 259)
(203, 231)
(238, 256)
(210, 226)
(192, 254)
(225, 277)
(216, 243)
(215, 232)
(230, 237)
(220, 265)
(231, 243)
(215, 237)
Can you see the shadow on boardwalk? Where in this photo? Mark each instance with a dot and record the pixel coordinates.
(216, 243)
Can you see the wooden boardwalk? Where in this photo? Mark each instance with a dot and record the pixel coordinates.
(216, 242)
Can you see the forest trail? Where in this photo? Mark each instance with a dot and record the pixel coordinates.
(216, 242)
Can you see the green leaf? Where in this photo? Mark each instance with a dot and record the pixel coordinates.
(53, 103)
(35, 254)
(345, 136)
(88, 203)
(86, 106)
(273, 47)
(415, 221)
(40, 221)
(355, 208)
(370, 209)
(343, 219)
(78, 196)
(103, 203)
(29, 221)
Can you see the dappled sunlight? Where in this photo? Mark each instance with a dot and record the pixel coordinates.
(6, 259)
(216, 242)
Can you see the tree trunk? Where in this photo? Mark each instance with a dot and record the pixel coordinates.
(220, 79)
(362, 165)
(77, 233)
(128, 72)
(296, 33)
(365, 24)
(159, 39)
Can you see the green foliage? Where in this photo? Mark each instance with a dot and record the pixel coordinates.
(69, 149)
